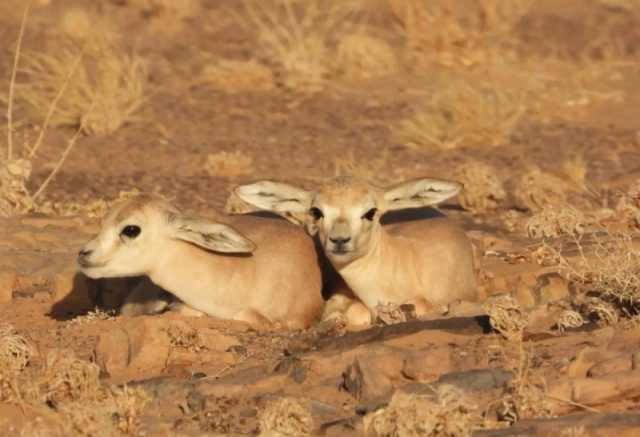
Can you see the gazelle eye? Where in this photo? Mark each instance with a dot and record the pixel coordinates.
(316, 213)
(131, 231)
(369, 215)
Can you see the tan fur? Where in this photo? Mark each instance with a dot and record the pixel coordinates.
(279, 282)
(424, 262)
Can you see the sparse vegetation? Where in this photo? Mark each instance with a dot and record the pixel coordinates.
(285, 417)
(446, 412)
(483, 190)
(463, 114)
(228, 164)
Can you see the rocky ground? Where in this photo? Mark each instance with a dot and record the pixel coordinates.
(532, 104)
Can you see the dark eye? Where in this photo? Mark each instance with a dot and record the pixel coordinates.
(369, 215)
(130, 231)
(316, 213)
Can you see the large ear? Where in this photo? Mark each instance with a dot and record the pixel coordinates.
(419, 193)
(211, 236)
(288, 201)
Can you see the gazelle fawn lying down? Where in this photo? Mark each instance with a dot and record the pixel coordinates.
(421, 262)
(252, 269)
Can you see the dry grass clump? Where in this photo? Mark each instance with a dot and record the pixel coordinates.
(85, 29)
(228, 164)
(102, 92)
(627, 207)
(361, 56)
(66, 378)
(128, 404)
(233, 76)
(506, 316)
(294, 36)
(14, 195)
(455, 33)
(569, 319)
(445, 413)
(15, 351)
(285, 417)
(536, 189)
(483, 190)
(464, 114)
(556, 221)
(186, 337)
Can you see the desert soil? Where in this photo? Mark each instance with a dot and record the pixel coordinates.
(203, 376)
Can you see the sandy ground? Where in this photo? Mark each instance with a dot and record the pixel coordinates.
(202, 129)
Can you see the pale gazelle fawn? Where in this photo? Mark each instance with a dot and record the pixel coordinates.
(420, 262)
(257, 270)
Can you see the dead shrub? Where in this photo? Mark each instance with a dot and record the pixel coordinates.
(285, 417)
(463, 114)
(360, 56)
(233, 76)
(446, 412)
(483, 190)
(228, 164)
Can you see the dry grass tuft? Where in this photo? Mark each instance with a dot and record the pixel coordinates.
(506, 316)
(67, 378)
(285, 417)
(456, 33)
(361, 56)
(102, 92)
(128, 405)
(556, 221)
(15, 351)
(234, 76)
(14, 195)
(186, 337)
(464, 114)
(294, 36)
(569, 319)
(228, 164)
(483, 190)
(85, 29)
(445, 413)
(535, 189)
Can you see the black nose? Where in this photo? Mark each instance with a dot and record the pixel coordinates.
(339, 241)
(84, 253)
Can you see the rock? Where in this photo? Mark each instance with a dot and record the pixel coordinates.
(427, 365)
(139, 349)
(621, 363)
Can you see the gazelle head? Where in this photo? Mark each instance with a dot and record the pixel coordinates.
(134, 234)
(345, 212)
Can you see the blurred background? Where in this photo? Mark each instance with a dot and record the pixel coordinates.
(528, 102)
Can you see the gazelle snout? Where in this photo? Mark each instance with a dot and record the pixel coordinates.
(339, 236)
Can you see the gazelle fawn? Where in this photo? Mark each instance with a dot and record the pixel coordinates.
(252, 269)
(421, 262)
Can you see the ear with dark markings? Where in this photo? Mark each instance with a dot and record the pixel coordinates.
(420, 193)
(210, 235)
(288, 201)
